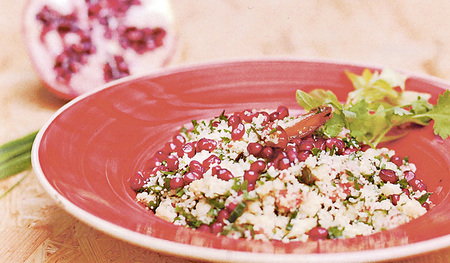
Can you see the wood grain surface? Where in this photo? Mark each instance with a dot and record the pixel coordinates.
(411, 35)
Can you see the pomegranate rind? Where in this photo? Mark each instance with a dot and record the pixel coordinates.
(150, 14)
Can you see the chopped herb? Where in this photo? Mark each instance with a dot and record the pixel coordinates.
(291, 217)
(316, 151)
(180, 192)
(406, 159)
(225, 140)
(222, 116)
(423, 198)
(369, 177)
(237, 212)
(191, 220)
(335, 232)
(216, 203)
(213, 212)
(403, 183)
(382, 197)
(195, 124)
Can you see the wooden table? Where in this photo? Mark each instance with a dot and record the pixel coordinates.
(411, 35)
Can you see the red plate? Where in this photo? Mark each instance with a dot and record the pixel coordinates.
(84, 156)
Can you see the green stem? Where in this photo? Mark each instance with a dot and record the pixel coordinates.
(13, 186)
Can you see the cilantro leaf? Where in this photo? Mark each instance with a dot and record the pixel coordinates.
(441, 115)
(307, 101)
(379, 103)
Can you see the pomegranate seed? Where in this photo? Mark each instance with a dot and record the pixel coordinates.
(115, 69)
(296, 141)
(320, 144)
(216, 227)
(215, 170)
(187, 148)
(279, 155)
(251, 186)
(141, 40)
(303, 155)
(258, 166)
(283, 112)
(224, 174)
(94, 10)
(397, 160)
(317, 233)
(158, 169)
(409, 175)
(172, 163)
(176, 182)
(270, 164)
(247, 116)
(211, 160)
(349, 151)
(147, 174)
(234, 120)
(204, 228)
(137, 181)
(283, 164)
(293, 156)
(170, 147)
(306, 145)
(152, 163)
(179, 139)
(267, 152)
(222, 215)
(274, 116)
(266, 118)
(364, 147)
(196, 166)
(251, 176)
(417, 185)
(291, 147)
(406, 191)
(254, 148)
(206, 145)
(395, 198)
(388, 176)
(338, 144)
(189, 177)
(161, 155)
(426, 206)
(238, 132)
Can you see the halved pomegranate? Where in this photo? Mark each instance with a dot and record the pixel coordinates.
(78, 45)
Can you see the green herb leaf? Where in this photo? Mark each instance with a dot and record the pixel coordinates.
(237, 212)
(441, 115)
(378, 104)
(335, 232)
(424, 198)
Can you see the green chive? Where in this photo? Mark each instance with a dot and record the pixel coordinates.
(237, 212)
(15, 156)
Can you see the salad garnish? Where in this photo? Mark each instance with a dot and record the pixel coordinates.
(379, 104)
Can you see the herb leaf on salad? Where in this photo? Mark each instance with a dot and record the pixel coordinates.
(378, 103)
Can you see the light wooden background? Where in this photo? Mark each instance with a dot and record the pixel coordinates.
(411, 35)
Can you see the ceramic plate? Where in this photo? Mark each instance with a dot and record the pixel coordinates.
(86, 153)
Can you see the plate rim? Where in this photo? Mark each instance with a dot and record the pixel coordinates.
(214, 254)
